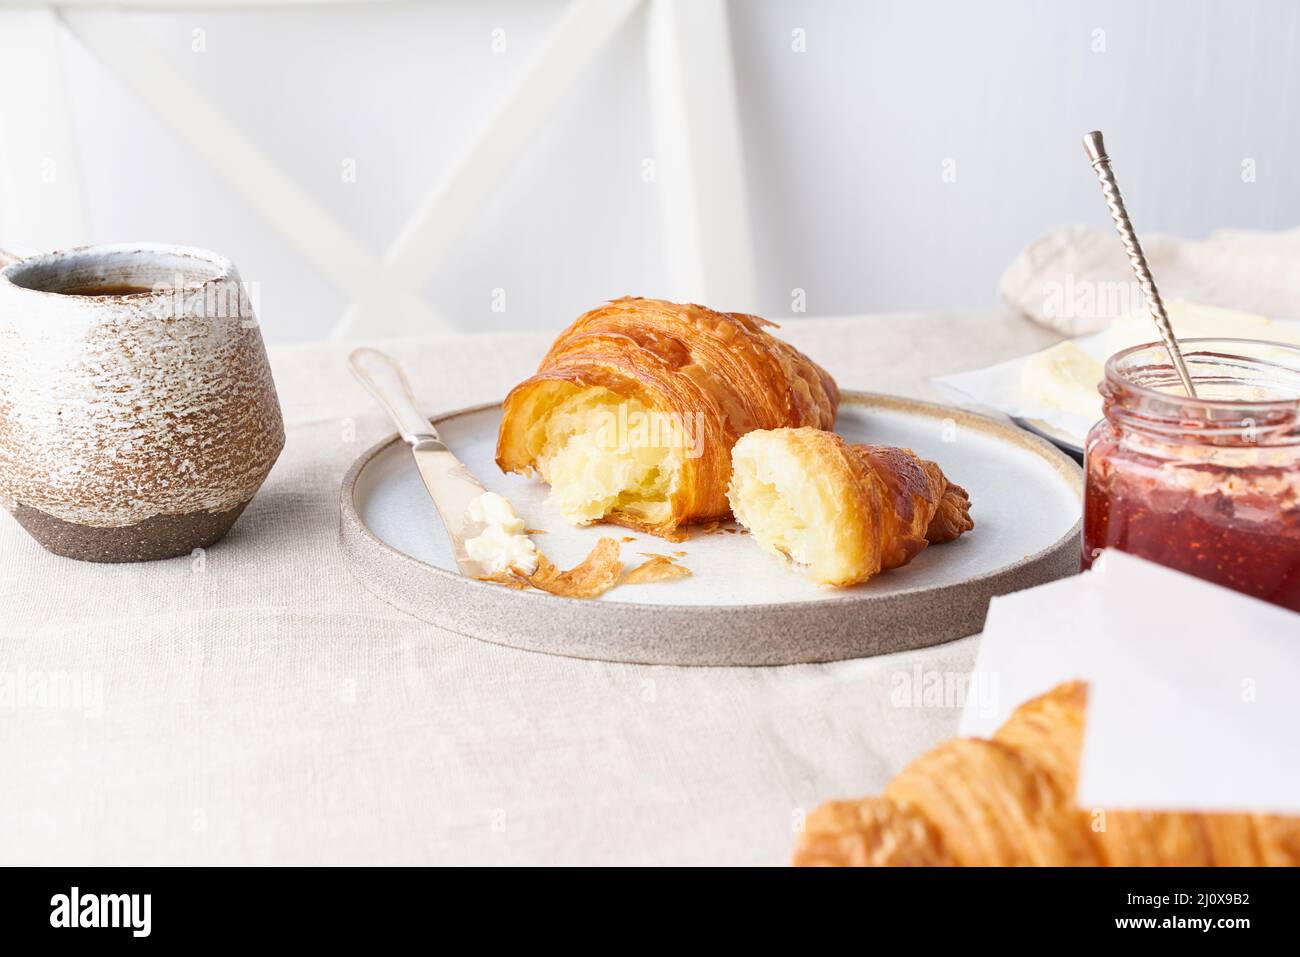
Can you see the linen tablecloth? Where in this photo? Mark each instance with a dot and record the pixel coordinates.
(254, 704)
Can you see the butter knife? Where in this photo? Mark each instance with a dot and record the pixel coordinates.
(449, 483)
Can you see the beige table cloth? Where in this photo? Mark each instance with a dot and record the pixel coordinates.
(254, 705)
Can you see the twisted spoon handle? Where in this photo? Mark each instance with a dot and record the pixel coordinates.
(1096, 150)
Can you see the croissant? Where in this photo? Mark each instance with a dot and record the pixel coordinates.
(1010, 801)
(633, 412)
(842, 512)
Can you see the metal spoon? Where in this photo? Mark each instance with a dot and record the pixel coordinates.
(1096, 150)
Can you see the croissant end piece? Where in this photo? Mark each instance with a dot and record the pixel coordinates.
(1009, 801)
(632, 414)
(843, 512)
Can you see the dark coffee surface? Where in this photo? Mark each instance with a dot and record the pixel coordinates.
(104, 289)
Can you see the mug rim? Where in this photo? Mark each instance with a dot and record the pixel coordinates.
(224, 268)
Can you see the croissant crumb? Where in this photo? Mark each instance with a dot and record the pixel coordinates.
(593, 576)
(657, 568)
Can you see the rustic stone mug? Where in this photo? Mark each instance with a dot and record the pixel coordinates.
(138, 416)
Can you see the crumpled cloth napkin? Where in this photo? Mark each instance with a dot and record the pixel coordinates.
(1076, 279)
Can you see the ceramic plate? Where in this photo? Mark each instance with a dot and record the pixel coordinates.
(741, 606)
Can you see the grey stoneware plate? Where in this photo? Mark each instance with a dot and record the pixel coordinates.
(741, 606)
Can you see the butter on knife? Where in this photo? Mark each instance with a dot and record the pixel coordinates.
(503, 543)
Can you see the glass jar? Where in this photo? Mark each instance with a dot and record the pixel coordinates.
(1209, 486)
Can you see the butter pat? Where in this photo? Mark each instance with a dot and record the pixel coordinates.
(1065, 378)
(502, 544)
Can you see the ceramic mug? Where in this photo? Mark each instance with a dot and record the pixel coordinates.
(138, 416)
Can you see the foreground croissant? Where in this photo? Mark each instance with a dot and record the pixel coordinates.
(632, 414)
(1009, 801)
(841, 512)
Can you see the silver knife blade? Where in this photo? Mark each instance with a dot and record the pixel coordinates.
(452, 487)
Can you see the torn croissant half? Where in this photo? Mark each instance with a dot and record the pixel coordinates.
(841, 512)
(633, 412)
(1009, 801)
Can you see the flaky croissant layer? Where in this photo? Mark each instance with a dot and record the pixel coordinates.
(841, 512)
(1009, 801)
(632, 413)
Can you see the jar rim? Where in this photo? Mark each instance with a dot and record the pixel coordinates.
(1115, 376)
(1131, 402)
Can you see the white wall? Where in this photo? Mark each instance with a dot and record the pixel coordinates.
(847, 140)
(846, 144)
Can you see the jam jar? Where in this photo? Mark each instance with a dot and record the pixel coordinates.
(1209, 486)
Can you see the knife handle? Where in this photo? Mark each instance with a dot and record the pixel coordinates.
(384, 379)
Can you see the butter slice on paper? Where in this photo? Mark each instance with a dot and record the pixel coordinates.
(1064, 378)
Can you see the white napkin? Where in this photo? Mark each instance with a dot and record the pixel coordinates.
(1192, 704)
